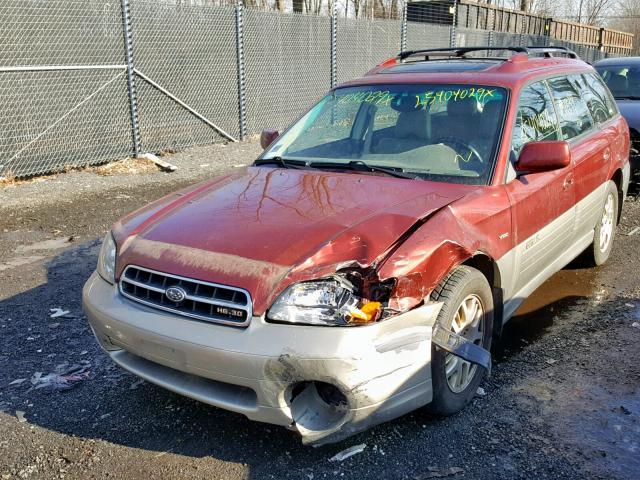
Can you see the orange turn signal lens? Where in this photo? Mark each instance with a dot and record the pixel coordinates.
(369, 312)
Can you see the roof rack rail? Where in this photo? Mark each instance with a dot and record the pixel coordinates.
(456, 51)
(547, 51)
(461, 52)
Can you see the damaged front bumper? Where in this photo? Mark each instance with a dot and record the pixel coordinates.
(325, 382)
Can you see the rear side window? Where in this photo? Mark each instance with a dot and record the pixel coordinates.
(598, 85)
(536, 119)
(572, 109)
(598, 100)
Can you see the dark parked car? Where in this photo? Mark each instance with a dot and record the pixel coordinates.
(622, 76)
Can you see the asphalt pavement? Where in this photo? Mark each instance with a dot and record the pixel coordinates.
(563, 400)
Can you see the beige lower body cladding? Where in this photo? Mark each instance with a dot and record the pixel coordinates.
(325, 382)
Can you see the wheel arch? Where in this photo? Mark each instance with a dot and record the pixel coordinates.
(487, 266)
(491, 271)
(618, 179)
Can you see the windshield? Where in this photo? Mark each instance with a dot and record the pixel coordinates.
(622, 80)
(436, 131)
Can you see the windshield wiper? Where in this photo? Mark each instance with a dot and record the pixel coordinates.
(627, 97)
(359, 165)
(281, 162)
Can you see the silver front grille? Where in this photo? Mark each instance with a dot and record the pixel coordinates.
(206, 301)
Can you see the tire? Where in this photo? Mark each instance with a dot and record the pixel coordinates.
(599, 254)
(450, 393)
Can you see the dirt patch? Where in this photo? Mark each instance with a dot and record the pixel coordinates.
(53, 244)
(9, 180)
(127, 166)
(193, 164)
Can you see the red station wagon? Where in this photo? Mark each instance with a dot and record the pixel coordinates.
(361, 267)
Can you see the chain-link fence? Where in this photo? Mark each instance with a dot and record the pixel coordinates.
(87, 81)
(63, 87)
(184, 52)
(287, 64)
(363, 44)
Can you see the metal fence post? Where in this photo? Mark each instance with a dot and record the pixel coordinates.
(403, 29)
(601, 40)
(490, 38)
(131, 82)
(491, 20)
(242, 101)
(334, 44)
(454, 21)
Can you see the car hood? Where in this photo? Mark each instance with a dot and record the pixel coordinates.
(263, 228)
(630, 110)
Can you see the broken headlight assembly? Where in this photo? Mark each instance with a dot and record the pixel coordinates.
(107, 259)
(329, 302)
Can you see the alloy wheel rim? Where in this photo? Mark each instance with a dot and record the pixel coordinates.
(606, 223)
(468, 322)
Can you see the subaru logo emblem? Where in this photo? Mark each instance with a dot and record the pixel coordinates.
(175, 294)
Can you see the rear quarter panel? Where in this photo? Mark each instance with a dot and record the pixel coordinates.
(620, 145)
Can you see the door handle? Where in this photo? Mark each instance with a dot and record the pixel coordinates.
(568, 182)
(606, 155)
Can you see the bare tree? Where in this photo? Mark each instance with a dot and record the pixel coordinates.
(298, 6)
(357, 6)
(589, 11)
(627, 19)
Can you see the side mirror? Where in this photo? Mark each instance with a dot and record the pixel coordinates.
(267, 137)
(543, 157)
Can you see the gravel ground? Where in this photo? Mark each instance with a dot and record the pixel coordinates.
(562, 402)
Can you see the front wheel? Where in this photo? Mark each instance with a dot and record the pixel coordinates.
(468, 311)
(605, 229)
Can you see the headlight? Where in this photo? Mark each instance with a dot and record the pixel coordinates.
(107, 259)
(323, 302)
